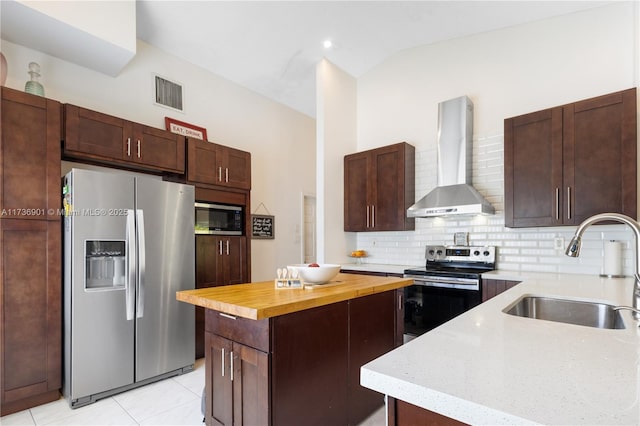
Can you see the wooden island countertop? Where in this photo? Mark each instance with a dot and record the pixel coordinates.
(262, 300)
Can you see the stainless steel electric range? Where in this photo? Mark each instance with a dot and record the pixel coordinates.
(449, 284)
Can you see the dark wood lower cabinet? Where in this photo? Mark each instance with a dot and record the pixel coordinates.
(30, 296)
(371, 334)
(492, 288)
(297, 369)
(402, 413)
(241, 384)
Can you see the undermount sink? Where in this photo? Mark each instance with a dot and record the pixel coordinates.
(578, 312)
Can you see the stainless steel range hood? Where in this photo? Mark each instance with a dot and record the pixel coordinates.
(454, 194)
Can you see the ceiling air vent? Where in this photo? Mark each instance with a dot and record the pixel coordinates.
(168, 93)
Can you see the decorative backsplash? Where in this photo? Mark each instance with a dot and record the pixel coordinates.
(522, 249)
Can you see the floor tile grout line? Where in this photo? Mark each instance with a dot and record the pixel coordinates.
(125, 410)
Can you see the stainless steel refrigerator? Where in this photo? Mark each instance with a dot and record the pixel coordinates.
(128, 247)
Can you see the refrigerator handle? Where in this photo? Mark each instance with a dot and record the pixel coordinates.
(141, 265)
(130, 261)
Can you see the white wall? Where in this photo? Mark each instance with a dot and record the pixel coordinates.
(505, 73)
(336, 135)
(277, 136)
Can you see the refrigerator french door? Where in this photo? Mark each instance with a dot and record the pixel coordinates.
(129, 246)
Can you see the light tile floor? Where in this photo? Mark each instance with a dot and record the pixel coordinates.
(173, 401)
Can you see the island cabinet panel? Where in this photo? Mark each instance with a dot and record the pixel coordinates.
(492, 288)
(30, 251)
(379, 187)
(297, 368)
(309, 366)
(402, 413)
(570, 162)
(213, 164)
(100, 138)
(371, 334)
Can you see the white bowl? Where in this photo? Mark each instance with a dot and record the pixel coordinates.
(316, 274)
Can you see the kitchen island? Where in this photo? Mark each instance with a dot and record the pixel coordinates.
(488, 367)
(293, 356)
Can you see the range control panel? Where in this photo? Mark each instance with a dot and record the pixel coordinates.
(471, 254)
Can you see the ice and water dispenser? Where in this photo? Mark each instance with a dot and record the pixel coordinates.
(105, 264)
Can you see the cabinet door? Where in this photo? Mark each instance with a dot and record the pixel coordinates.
(379, 187)
(208, 273)
(158, 149)
(356, 199)
(219, 397)
(30, 269)
(93, 135)
(234, 168)
(202, 160)
(220, 260)
(533, 169)
(233, 260)
(370, 335)
(30, 156)
(600, 156)
(388, 191)
(237, 383)
(250, 386)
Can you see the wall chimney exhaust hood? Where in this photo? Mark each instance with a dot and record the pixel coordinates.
(454, 194)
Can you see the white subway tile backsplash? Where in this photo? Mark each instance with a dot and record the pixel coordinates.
(523, 249)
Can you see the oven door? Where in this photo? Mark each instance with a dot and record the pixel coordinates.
(427, 305)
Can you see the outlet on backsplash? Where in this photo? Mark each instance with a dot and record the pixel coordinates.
(558, 243)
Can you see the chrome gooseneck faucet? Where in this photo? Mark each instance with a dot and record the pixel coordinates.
(573, 250)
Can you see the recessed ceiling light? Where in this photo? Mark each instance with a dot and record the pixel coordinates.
(327, 44)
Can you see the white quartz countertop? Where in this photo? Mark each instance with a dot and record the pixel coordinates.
(488, 367)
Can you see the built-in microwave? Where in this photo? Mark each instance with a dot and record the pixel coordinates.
(219, 219)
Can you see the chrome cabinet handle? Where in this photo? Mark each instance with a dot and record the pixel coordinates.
(226, 174)
(568, 202)
(367, 216)
(138, 148)
(222, 362)
(557, 203)
(373, 216)
(227, 247)
(222, 314)
(220, 247)
(231, 366)
(128, 147)
(220, 174)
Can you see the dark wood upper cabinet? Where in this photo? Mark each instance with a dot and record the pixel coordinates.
(30, 156)
(213, 164)
(101, 138)
(570, 162)
(379, 187)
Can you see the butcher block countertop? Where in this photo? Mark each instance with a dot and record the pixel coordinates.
(261, 300)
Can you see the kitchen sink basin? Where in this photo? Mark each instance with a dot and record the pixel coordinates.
(578, 312)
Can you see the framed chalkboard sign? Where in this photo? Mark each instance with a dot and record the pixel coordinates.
(262, 227)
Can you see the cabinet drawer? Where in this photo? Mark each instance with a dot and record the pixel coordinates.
(242, 330)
